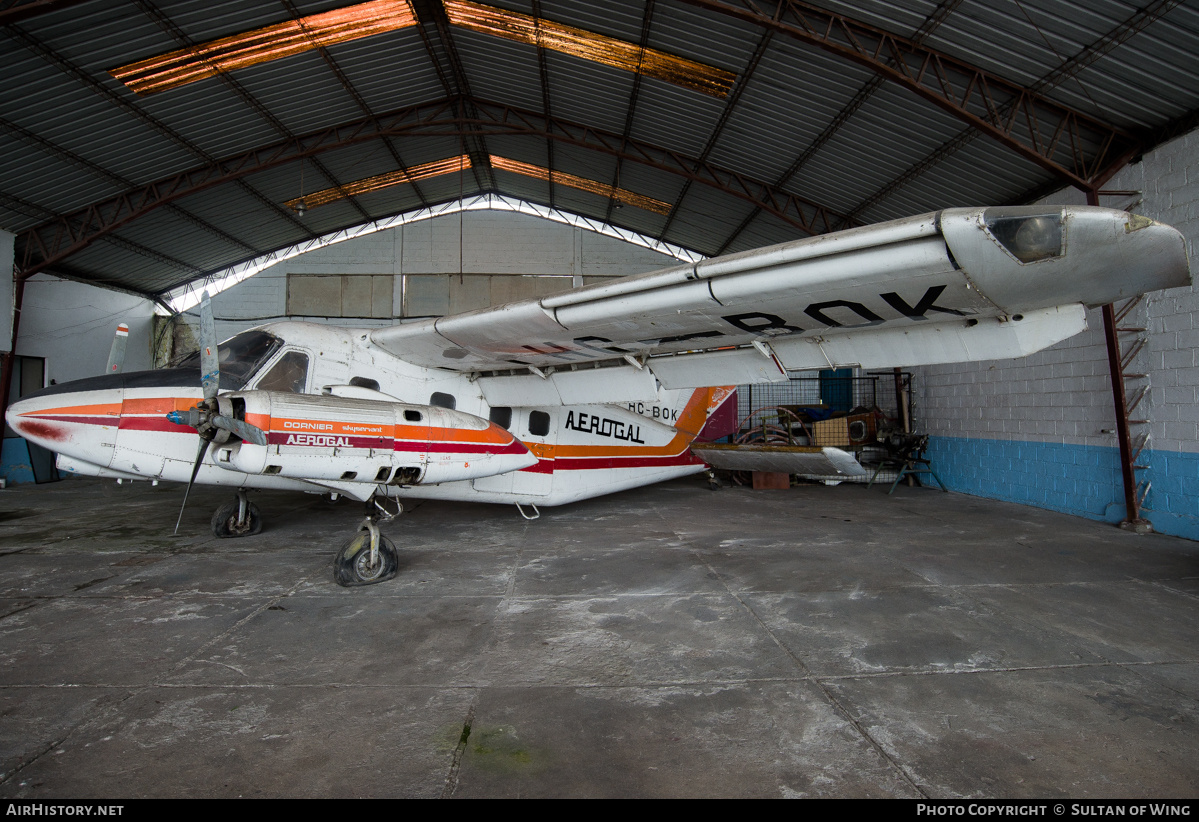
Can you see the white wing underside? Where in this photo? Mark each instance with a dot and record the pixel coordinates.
(930, 289)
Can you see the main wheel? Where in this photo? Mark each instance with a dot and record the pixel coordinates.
(224, 521)
(352, 565)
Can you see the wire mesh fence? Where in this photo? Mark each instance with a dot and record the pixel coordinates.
(822, 395)
(825, 393)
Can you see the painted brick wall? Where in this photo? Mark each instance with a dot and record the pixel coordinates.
(1040, 430)
(491, 242)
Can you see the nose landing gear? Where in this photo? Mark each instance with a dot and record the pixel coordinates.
(368, 556)
(240, 518)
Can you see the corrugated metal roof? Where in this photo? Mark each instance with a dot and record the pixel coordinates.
(72, 136)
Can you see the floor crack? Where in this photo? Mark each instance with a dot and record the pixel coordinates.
(451, 779)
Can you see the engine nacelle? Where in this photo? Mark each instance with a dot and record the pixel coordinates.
(359, 440)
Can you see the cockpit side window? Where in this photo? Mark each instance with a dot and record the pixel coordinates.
(289, 374)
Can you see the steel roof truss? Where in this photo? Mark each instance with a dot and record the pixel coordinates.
(55, 240)
(1017, 117)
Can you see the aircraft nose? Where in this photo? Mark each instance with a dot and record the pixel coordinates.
(23, 417)
(69, 418)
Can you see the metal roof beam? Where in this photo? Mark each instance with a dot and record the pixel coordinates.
(1114, 162)
(358, 99)
(15, 203)
(930, 24)
(473, 145)
(74, 159)
(181, 37)
(55, 240)
(12, 11)
(729, 105)
(543, 70)
(1068, 143)
(646, 19)
(66, 66)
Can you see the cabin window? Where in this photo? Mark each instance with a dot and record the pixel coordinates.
(289, 374)
(443, 400)
(539, 423)
(411, 416)
(501, 416)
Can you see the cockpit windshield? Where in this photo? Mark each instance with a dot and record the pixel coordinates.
(240, 356)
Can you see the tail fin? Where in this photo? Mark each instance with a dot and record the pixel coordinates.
(116, 354)
(710, 413)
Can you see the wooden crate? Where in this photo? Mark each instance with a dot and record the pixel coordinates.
(833, 433)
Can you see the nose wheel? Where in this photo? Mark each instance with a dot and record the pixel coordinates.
(239, 518)
(368, 556)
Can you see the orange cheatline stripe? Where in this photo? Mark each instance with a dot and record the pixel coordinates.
(250, 48)
(108, 408)
(690, 422)
(587, 45)
(157, 405)
(491, 434)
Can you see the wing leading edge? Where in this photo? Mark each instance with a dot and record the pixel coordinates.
(951, 286)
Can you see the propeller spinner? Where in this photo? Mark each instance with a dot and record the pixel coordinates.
(205, 417)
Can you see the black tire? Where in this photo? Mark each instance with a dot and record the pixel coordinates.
(351, 566)
(224, 521)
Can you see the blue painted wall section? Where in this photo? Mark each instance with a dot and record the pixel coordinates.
(15, 465)
(1075, 479)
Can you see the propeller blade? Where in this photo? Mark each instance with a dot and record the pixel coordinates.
(210, 366)
(116, 354)
(249, 433)
(195, 470)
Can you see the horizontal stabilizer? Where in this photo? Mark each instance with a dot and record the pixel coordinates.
(782, 459)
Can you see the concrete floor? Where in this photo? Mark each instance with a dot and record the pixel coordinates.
(664, 642)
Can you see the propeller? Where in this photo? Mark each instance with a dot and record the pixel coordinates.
(205, 416)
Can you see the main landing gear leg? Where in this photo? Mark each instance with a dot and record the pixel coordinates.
(239, 518)
(368, 556)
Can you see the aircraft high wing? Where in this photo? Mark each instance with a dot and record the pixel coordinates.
(952, 286)
(595, 390)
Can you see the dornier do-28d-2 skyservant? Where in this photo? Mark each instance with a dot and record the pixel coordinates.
(596, 390)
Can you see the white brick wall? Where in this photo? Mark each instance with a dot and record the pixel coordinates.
(1063, 395)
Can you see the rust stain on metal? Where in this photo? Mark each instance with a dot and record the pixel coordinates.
(582, 183)
(588, 45)
(187, 65)
(423, 171)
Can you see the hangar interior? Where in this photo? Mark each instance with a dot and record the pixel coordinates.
(368, 164)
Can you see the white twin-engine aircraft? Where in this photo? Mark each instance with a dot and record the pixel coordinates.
(595, 390)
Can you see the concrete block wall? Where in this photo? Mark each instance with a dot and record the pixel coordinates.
(486, 243)
(1041, 430)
